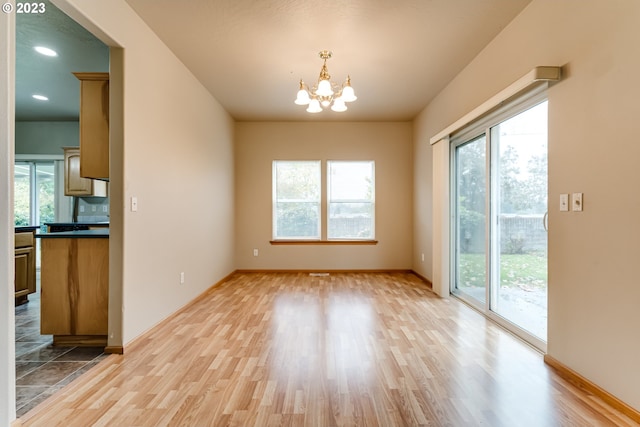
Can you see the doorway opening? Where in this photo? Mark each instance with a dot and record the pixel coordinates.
(49, 47)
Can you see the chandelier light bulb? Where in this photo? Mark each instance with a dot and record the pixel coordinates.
(302, 98)
(324, 88)
(314, 106)
(348, 95)
(338, 105)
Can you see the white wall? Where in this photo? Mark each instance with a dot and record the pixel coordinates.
(7, 320)
(594, 294)
(176, 157)
(422, 197)
(388, 144)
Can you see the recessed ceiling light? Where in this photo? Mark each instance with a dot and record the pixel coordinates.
(40, 97)
(46, 51)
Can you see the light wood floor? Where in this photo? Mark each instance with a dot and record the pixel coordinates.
(344, 350)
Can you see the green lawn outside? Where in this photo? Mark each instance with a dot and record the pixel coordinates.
(528, 270)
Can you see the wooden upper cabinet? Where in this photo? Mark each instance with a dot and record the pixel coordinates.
(74, 184)
(94, 125)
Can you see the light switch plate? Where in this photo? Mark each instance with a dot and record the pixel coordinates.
(576, 199)
(564, 203)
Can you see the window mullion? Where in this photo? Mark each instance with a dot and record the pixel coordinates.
(324, 196)
(33, 195)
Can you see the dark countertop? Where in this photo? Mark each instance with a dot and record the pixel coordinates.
(79, 234)
(90, 224)
(26, 228)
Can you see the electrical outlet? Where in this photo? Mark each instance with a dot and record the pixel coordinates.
(93, 208)
(105, 208)
(134, 204)
(182, 277)
(255, 252)
(81, 209)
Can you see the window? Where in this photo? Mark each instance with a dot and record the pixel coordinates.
(299, 199)
(34, 193)
(350, 200)
(296, 199)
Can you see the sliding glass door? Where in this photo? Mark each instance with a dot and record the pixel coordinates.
(34, 193)
(499, 184)
(519, 250)
(471, 242)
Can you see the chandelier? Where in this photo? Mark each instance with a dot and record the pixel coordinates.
(325, 92)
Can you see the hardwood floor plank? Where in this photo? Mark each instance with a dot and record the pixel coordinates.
(348, 349)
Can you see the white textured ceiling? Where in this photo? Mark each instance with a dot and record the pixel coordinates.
(250, 54)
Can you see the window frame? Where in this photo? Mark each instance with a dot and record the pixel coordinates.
(34, 169)
(324, 206)
(275, 202)
(371, 201)
(485, 125)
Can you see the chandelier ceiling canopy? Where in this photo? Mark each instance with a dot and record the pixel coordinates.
(325, 93)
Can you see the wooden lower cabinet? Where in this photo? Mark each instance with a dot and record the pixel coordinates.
(75, 290)
(25, 266)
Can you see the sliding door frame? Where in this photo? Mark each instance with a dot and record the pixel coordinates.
(464, 135)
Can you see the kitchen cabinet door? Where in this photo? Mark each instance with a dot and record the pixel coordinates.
(74, 184)
(74, 302)
(25, 266)
(94, 125)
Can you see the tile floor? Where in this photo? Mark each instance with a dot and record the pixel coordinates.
(42, 369)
